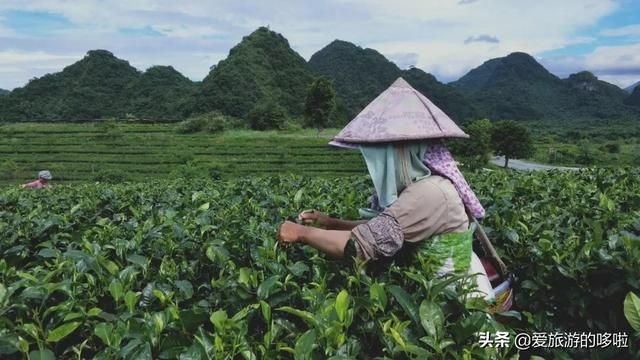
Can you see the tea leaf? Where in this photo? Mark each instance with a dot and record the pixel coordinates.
(44, 354)
(431, 318)
(103, 331)
(632, 310)
(304, 345)
(407, 303)
(342, 304)
(62, 331)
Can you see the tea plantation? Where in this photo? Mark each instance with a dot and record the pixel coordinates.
(191, 270)
(118, 152)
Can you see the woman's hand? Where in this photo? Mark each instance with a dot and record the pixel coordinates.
(290, 232)
(310, 216)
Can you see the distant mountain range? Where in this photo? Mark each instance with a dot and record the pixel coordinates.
(518, 87)
(100, 86)
(263, 66)
(359, 75)
(4, 92)
(630, 88)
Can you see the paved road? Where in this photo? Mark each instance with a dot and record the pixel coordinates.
(528, 166)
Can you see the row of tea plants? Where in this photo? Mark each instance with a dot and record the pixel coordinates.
(192, 270)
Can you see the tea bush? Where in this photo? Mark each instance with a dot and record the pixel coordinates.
(191, 270)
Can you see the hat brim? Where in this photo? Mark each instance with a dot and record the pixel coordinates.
(344, 145)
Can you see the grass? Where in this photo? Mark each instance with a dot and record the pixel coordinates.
(81, 152)
(587, 143)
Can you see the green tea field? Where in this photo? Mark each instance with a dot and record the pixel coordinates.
(87, 152)
(190, 269)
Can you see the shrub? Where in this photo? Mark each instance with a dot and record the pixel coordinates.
(191, 125)
(587, 154)
(268, 115)
(320, 103)
(108, 129)
(110, 176)
(474, 152)
(612, 148)
(193, 170)
(9, 170)
(212, 122)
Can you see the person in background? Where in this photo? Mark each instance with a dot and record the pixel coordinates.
(43, 181)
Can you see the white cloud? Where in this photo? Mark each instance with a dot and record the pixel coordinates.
(18, 67)
(615, 58)
(616, 64)
(15, 57)
(629, 30)
(197, 34)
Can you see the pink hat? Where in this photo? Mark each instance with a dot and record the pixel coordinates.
(400, 113)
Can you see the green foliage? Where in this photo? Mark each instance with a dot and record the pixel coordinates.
(108, 129)
(267, 115)
(10, 169)
(518, 87)
(262, 65)
(632, 311)
(161, 94)
(320, 103)
(192, 170)
(613, 148)
(634, 98)
(191, 269)
(102, 86)
(212, 122)
(601, 143)
(111, 176)
(586, 154)
(89, 89)
(75, 151)
(512, 140)
(573, 240)
(475, 151)
(359, 75)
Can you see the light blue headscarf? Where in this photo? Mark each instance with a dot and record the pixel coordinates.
(393, 167)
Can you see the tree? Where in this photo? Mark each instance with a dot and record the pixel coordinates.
(320, 103)
(511, 139)
(477, 148)
(267, 115)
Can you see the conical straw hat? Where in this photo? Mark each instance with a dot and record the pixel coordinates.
(400, 113)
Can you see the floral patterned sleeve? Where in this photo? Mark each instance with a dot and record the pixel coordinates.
(378, 238)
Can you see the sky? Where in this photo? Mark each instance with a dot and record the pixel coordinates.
(444, 37)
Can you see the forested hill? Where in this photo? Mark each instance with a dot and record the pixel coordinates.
(260, 67)
(518, 87)
(100, 86)
(446, 97)
(634, 98)
(263, 67)
(359, 75)
(161, 93)
(4, 92)
(93, 87)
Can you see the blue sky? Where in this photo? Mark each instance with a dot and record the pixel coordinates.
(443, 37)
